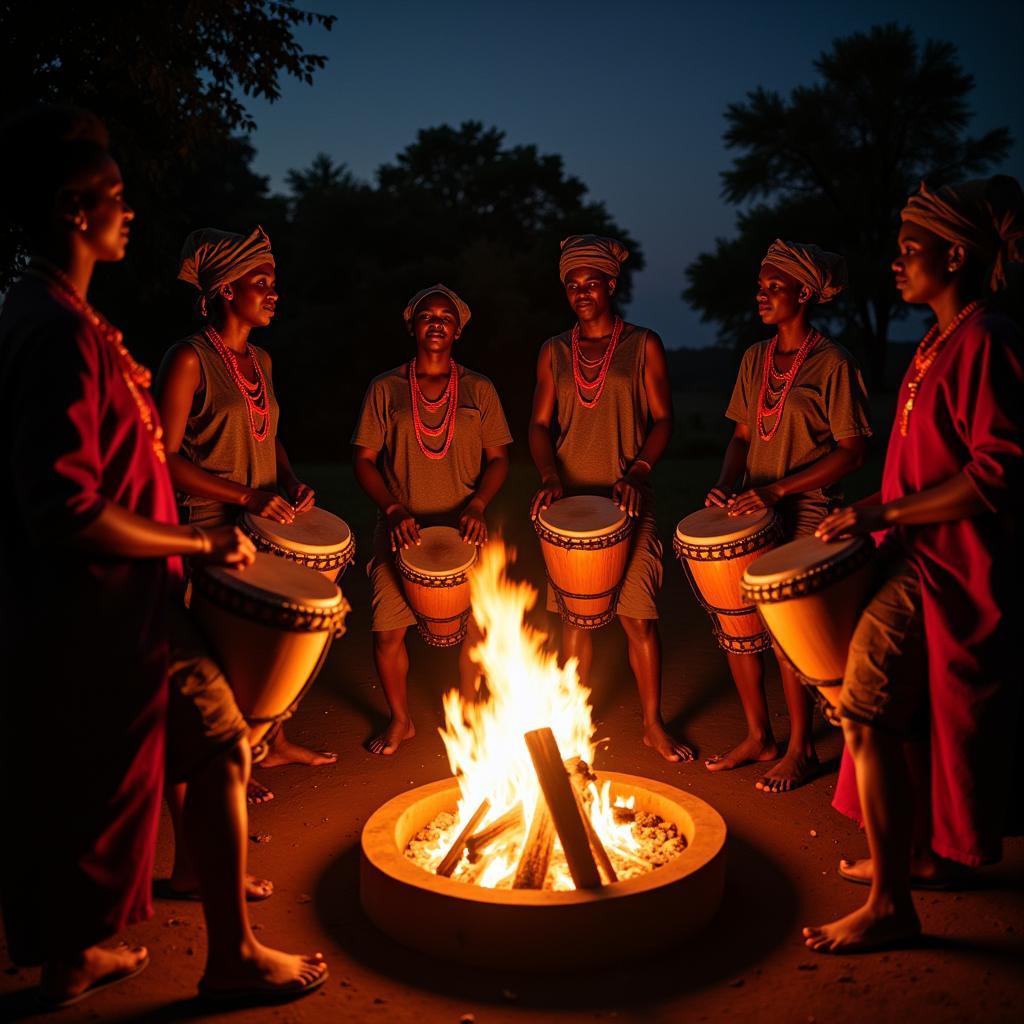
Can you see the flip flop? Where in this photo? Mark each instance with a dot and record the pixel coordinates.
(97, 986)
(933, 884)
(257, 996)
(162, 890)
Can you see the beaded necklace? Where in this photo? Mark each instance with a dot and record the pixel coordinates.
(927, 352)
(447, 425)
(135, 375)
(257, 401)
(597, 384)
(773, 397)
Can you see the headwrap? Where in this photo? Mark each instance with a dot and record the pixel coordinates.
(983, 216)
(604, 254)
(211, 258)
(823, 272)
(461, 308)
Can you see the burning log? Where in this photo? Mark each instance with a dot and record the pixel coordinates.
(451, 859)
(565, 811)
(580, 775)
(510, 821)
(536, 856)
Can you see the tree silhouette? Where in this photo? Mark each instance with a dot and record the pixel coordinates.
(834, 162)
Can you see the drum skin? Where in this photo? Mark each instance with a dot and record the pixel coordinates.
(435, 577)
(316, 539)
(268, 646)
(810, 595)
(717, 550)
(590, 564)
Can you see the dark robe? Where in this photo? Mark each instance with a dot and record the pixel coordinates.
(968, 417)
(83, 692)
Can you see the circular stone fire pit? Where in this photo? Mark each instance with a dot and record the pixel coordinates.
(540, 929)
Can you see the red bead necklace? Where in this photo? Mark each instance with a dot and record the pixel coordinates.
(136, 376)
(927, 352)
(447, 425)
(255, 393)
(597, 384)
(773, 397)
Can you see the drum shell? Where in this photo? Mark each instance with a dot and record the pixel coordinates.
(448, 599)
(580, 570)
(718, 580)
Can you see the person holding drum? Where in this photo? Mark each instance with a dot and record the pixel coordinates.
(430, 449)
(950, 509)
(801, 424)
(220, 415)
(92, 512)
(605, 386)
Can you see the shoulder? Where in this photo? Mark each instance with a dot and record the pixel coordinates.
(755, 352)
(389, 380)
(476, 382)
(831, 355)
(989, 326)
(563, 340)
(184, 353)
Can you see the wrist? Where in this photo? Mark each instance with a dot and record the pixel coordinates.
(248, 497)
(777, 490)
(550, 479)
(640, 469)
(202, 539)
(889, 514)
(475, 505)
(393, 507)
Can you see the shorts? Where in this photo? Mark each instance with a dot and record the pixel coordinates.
(390, 610)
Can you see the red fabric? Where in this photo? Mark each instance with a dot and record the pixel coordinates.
(967, 418)
(83, 646)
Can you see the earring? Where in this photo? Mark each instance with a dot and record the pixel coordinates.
(80, 222)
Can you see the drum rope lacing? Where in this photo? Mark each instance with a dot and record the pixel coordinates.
(598, 382)
(812, 580)
(321, 563)
(726, 550)
(560, 540)
(447, 426)
(780, 394)
(255, 393)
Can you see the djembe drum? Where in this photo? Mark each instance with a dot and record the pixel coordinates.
(435, 576)
(714, 550)
(585, 541)
(270, 627)
(316, 539)
(810, 594)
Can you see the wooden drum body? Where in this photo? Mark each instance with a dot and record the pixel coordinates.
(270, 627)
(317, 540)
(435, 576)
(585, 541)
(715, 549)
(810, 595)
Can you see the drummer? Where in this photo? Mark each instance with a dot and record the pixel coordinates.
(951, 505)
(801, 424)
(604, 384)
(220, 415)
(425, 461)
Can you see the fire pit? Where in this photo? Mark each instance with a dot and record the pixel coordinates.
(528, 858)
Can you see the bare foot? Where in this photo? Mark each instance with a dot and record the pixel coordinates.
(186, 887)
(64, 982)
(796, 768)
(747, 750)
(263, 973)
(256, 793)
(656, 737)
(865, 929)
(398, 731)
(283, 751)
(927, 871)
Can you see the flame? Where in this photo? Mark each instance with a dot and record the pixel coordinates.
(526, 689)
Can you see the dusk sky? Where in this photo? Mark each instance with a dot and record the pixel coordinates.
(631, 95)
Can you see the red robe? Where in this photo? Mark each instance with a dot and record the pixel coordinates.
(83, 649)
(968, 418)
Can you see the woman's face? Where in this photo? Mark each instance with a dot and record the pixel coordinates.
(922, 266)
(779, 296)
(435, 323)
(102, 216)
(253, 297)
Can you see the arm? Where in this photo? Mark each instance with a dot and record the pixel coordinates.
(179, 379)
(541, 448)
(302, 496)
(659, 400)
(403, 530)
(733, 466)
(472, 524)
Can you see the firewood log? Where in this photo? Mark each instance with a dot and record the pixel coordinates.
(510, 821)
(536, 856)
(451, 859)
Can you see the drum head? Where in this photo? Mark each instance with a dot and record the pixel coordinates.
(315, 532)
(275, 580)
(583, 516)
(799, 557)
(441, 552)
(712, 526)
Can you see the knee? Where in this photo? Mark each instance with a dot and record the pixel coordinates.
(639, 630)
(856, 734)
(388, 641)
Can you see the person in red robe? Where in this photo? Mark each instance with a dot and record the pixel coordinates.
(949, 508)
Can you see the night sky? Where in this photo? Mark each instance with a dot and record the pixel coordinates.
(630, 94)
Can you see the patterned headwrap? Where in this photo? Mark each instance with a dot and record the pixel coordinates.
(983, 216)
(823, 272)
(603, 254)
(436, 289)
(211, 258)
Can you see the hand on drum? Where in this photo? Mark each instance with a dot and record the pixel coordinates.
(472, 525)
(628, 496)
(229, 546)
(755, 500)
(303, 496)
(270, 506)
(403, 530)
(550, 492)
(854, 521)
(718, 497)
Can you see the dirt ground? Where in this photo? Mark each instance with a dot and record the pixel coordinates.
(750, 962)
